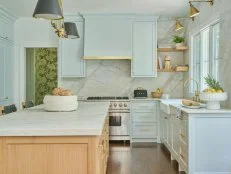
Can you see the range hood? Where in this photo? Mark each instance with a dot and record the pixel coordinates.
(107, 58)
(107, 37)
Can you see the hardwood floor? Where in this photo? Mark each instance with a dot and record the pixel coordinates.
(140, 160)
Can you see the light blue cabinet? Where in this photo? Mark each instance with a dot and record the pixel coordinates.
(108, 36)
(144, 121)
(2, 67)
(6, 72)
(71, 53)
(144, 49)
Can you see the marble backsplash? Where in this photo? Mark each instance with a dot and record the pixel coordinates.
(113, 78)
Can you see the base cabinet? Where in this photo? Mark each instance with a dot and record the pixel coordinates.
(144, 121)
(55, 155)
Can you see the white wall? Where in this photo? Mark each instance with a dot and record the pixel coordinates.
(221, 9)
(29, 33)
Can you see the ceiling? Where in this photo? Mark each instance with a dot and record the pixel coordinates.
(165, 8)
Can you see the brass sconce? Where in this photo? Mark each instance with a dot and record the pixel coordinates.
(194, 11)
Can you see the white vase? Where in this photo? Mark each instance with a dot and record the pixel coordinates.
(60, 103)
(178, 45)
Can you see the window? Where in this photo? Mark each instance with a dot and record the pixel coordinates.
(205, 54)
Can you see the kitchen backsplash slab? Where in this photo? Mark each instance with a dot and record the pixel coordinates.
(113, 78)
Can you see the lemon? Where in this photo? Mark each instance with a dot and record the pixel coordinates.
(220, 91)
(213, 90)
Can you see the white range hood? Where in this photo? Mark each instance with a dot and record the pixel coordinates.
(108, 37)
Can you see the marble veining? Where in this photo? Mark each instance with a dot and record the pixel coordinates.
(113, 77)
(89, 119)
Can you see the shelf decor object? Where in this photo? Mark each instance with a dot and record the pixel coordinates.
(182, 68)
(48, 9)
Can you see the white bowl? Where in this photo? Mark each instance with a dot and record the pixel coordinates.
(60, 103)
(213, 99)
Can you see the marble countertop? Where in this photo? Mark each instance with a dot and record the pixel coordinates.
(88, 120)
(201, 110)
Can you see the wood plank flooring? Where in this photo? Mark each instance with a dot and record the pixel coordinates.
(140, 160)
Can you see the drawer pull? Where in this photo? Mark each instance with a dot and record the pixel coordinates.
(182, 136)
(166, 118)
(144, 130)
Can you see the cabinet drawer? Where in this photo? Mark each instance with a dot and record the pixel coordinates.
(184, 120)
(143, 117)
(144, 105)
(144, 130)
(184, 153)
(184, 135)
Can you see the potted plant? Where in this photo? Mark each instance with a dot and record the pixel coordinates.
(179, 41)
(214, 94)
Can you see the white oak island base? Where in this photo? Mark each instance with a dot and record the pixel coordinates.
(55, 155)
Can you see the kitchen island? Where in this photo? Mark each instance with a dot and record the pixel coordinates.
(40, 142)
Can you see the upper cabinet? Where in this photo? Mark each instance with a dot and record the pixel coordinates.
(6, 25)
(71, 52)
(6, 57)
(108, 37)
(144, 49)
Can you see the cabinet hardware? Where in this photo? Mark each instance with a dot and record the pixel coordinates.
(182, 135)
(6, 98)
(4, 37)
(166, 118)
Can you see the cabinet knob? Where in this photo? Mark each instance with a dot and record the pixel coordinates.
(6, 98)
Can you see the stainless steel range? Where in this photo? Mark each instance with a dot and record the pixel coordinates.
(119, 116)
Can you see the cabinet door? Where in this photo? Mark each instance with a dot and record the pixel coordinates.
(2, 71)
(9, 72)
(175, 137)
(71, 52)
(144, 49)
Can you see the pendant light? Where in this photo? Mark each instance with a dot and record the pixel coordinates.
(179, 26)
(48, 9)
(71, 30)
(193, 11)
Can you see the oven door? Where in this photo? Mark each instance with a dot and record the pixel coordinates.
(119, 123)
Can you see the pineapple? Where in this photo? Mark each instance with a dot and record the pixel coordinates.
(214, 85)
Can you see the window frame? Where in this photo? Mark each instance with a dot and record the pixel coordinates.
(192, 35)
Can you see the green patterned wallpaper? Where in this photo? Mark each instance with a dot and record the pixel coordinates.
(45, 72)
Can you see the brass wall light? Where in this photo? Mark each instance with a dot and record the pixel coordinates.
(194, 11)
(179, 26)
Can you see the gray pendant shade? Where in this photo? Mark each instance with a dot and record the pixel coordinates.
(71, 30)
(48, 9)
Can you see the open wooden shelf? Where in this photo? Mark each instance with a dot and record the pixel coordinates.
(172, 49)
(168, 70)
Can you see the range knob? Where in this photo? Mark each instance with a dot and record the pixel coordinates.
(115, 104)
(125, 105)
(120, 104)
